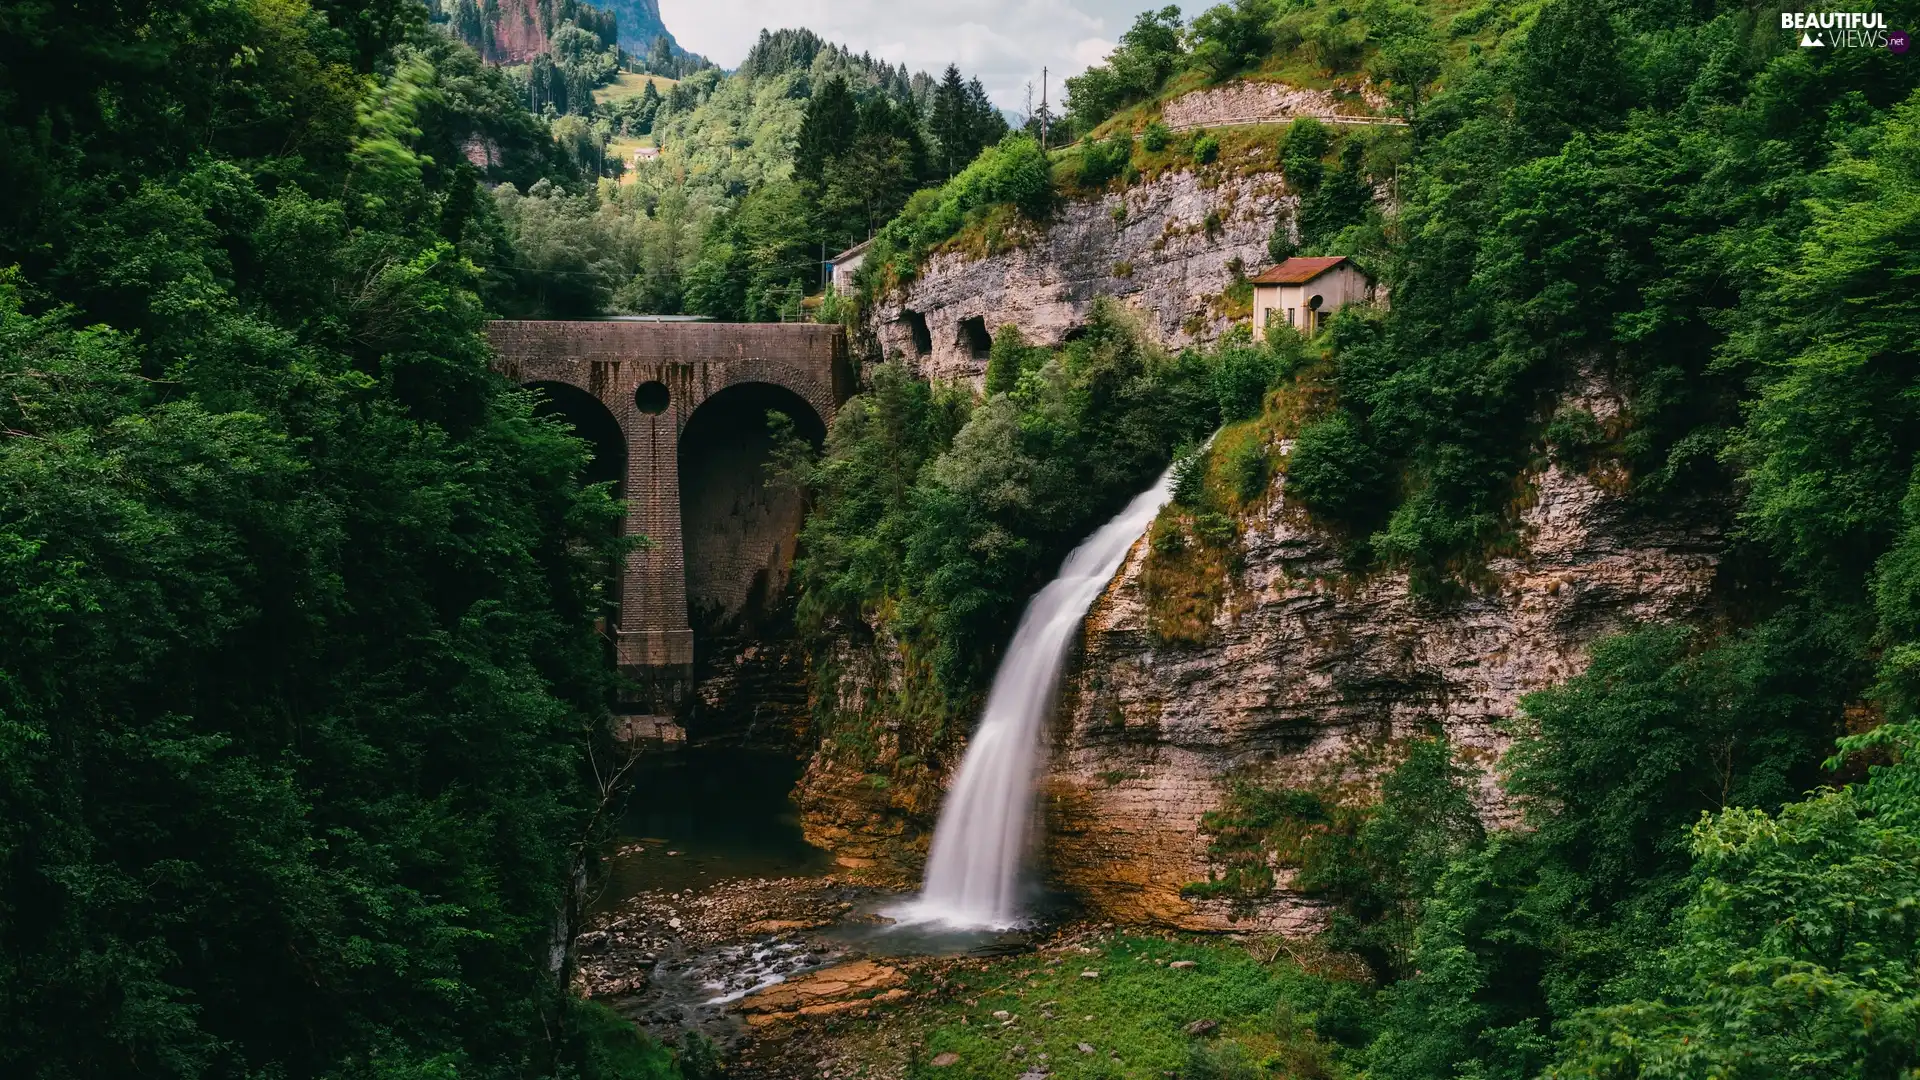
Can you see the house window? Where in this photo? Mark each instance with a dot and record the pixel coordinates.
(1290, 318)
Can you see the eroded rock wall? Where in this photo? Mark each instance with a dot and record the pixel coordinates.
(1310, 678)
(1272, 103)
(1167, 248)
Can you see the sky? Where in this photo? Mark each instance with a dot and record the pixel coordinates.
(1004, 42)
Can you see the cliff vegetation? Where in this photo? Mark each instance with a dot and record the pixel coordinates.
(1711, 843)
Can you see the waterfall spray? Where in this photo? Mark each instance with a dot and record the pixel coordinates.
(980, 843)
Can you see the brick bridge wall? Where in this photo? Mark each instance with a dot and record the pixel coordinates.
(692, 362)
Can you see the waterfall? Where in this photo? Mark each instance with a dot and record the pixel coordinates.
(980, 842)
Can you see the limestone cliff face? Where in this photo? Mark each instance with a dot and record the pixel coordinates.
(1274, 103)
(1168, 248)
(1310, 678)
(877, 832)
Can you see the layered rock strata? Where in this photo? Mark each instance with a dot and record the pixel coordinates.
(1312, 679)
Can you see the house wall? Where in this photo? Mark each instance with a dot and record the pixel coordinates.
(1336, 288)
(843, 273)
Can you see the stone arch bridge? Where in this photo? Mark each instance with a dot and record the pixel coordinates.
(677, 415)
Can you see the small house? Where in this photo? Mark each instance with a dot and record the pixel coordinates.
(1304, 292)
(643, 154)
(841, 267)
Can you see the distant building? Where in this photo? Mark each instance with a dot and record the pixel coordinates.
(841, 267)
(645, 154)
(1303, 292)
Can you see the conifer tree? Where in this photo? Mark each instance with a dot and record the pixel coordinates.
(827, 130)
(950, 121)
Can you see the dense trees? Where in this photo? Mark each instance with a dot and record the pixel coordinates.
(1149, 52)
(962, 121)
(1717, 224)
(1722, 239)
(807, 149)
(858, 160)
(939, 517)
(298, 678)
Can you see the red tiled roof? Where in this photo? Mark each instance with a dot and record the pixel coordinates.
(1297, 271)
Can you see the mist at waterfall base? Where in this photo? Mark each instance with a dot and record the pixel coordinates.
(976, 871)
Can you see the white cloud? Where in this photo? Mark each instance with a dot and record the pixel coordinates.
(1004, 42)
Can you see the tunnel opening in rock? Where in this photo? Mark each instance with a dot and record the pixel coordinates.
(739, 522)
(591, 421)
(974, 337)
(918, 332)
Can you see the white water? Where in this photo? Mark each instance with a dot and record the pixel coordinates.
(980, 843)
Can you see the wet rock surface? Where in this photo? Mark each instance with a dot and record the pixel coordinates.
(675, 962)
(784, 977)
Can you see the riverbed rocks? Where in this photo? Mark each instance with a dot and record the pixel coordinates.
(616, 956)
(847, 987)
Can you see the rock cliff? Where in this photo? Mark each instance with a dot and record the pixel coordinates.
(1274, 103)
(1306, 675)
(1169, 248)
(1311, 678)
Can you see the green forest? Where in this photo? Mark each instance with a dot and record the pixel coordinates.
(1715, 865)
(305, 747)
(304, 718)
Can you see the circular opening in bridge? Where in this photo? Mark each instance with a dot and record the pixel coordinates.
(652, 397)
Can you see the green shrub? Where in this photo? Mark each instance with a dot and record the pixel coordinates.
(1472, 21)
(1168, 536)
(1009, 357)
(1227, 1060)
(1103, 160)
(1014, 172)
(1307, 141)
(1156, 137)
(1333, 470)
(1205, 149)
(1241, 376)
(1247, 469)
(1215, 528)
(1190, 479)
(1573, 435)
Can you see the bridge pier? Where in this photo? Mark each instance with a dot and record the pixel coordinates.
(652, 378)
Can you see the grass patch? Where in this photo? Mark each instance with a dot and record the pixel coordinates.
(1194, 545)
(621, 148)
(630, 84)
(1135, 1016)
(988, 231)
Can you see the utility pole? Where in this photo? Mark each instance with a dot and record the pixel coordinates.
(1044, 115)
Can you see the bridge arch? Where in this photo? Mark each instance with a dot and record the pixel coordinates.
(654, 378)
(738, 520)
(591, 420)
